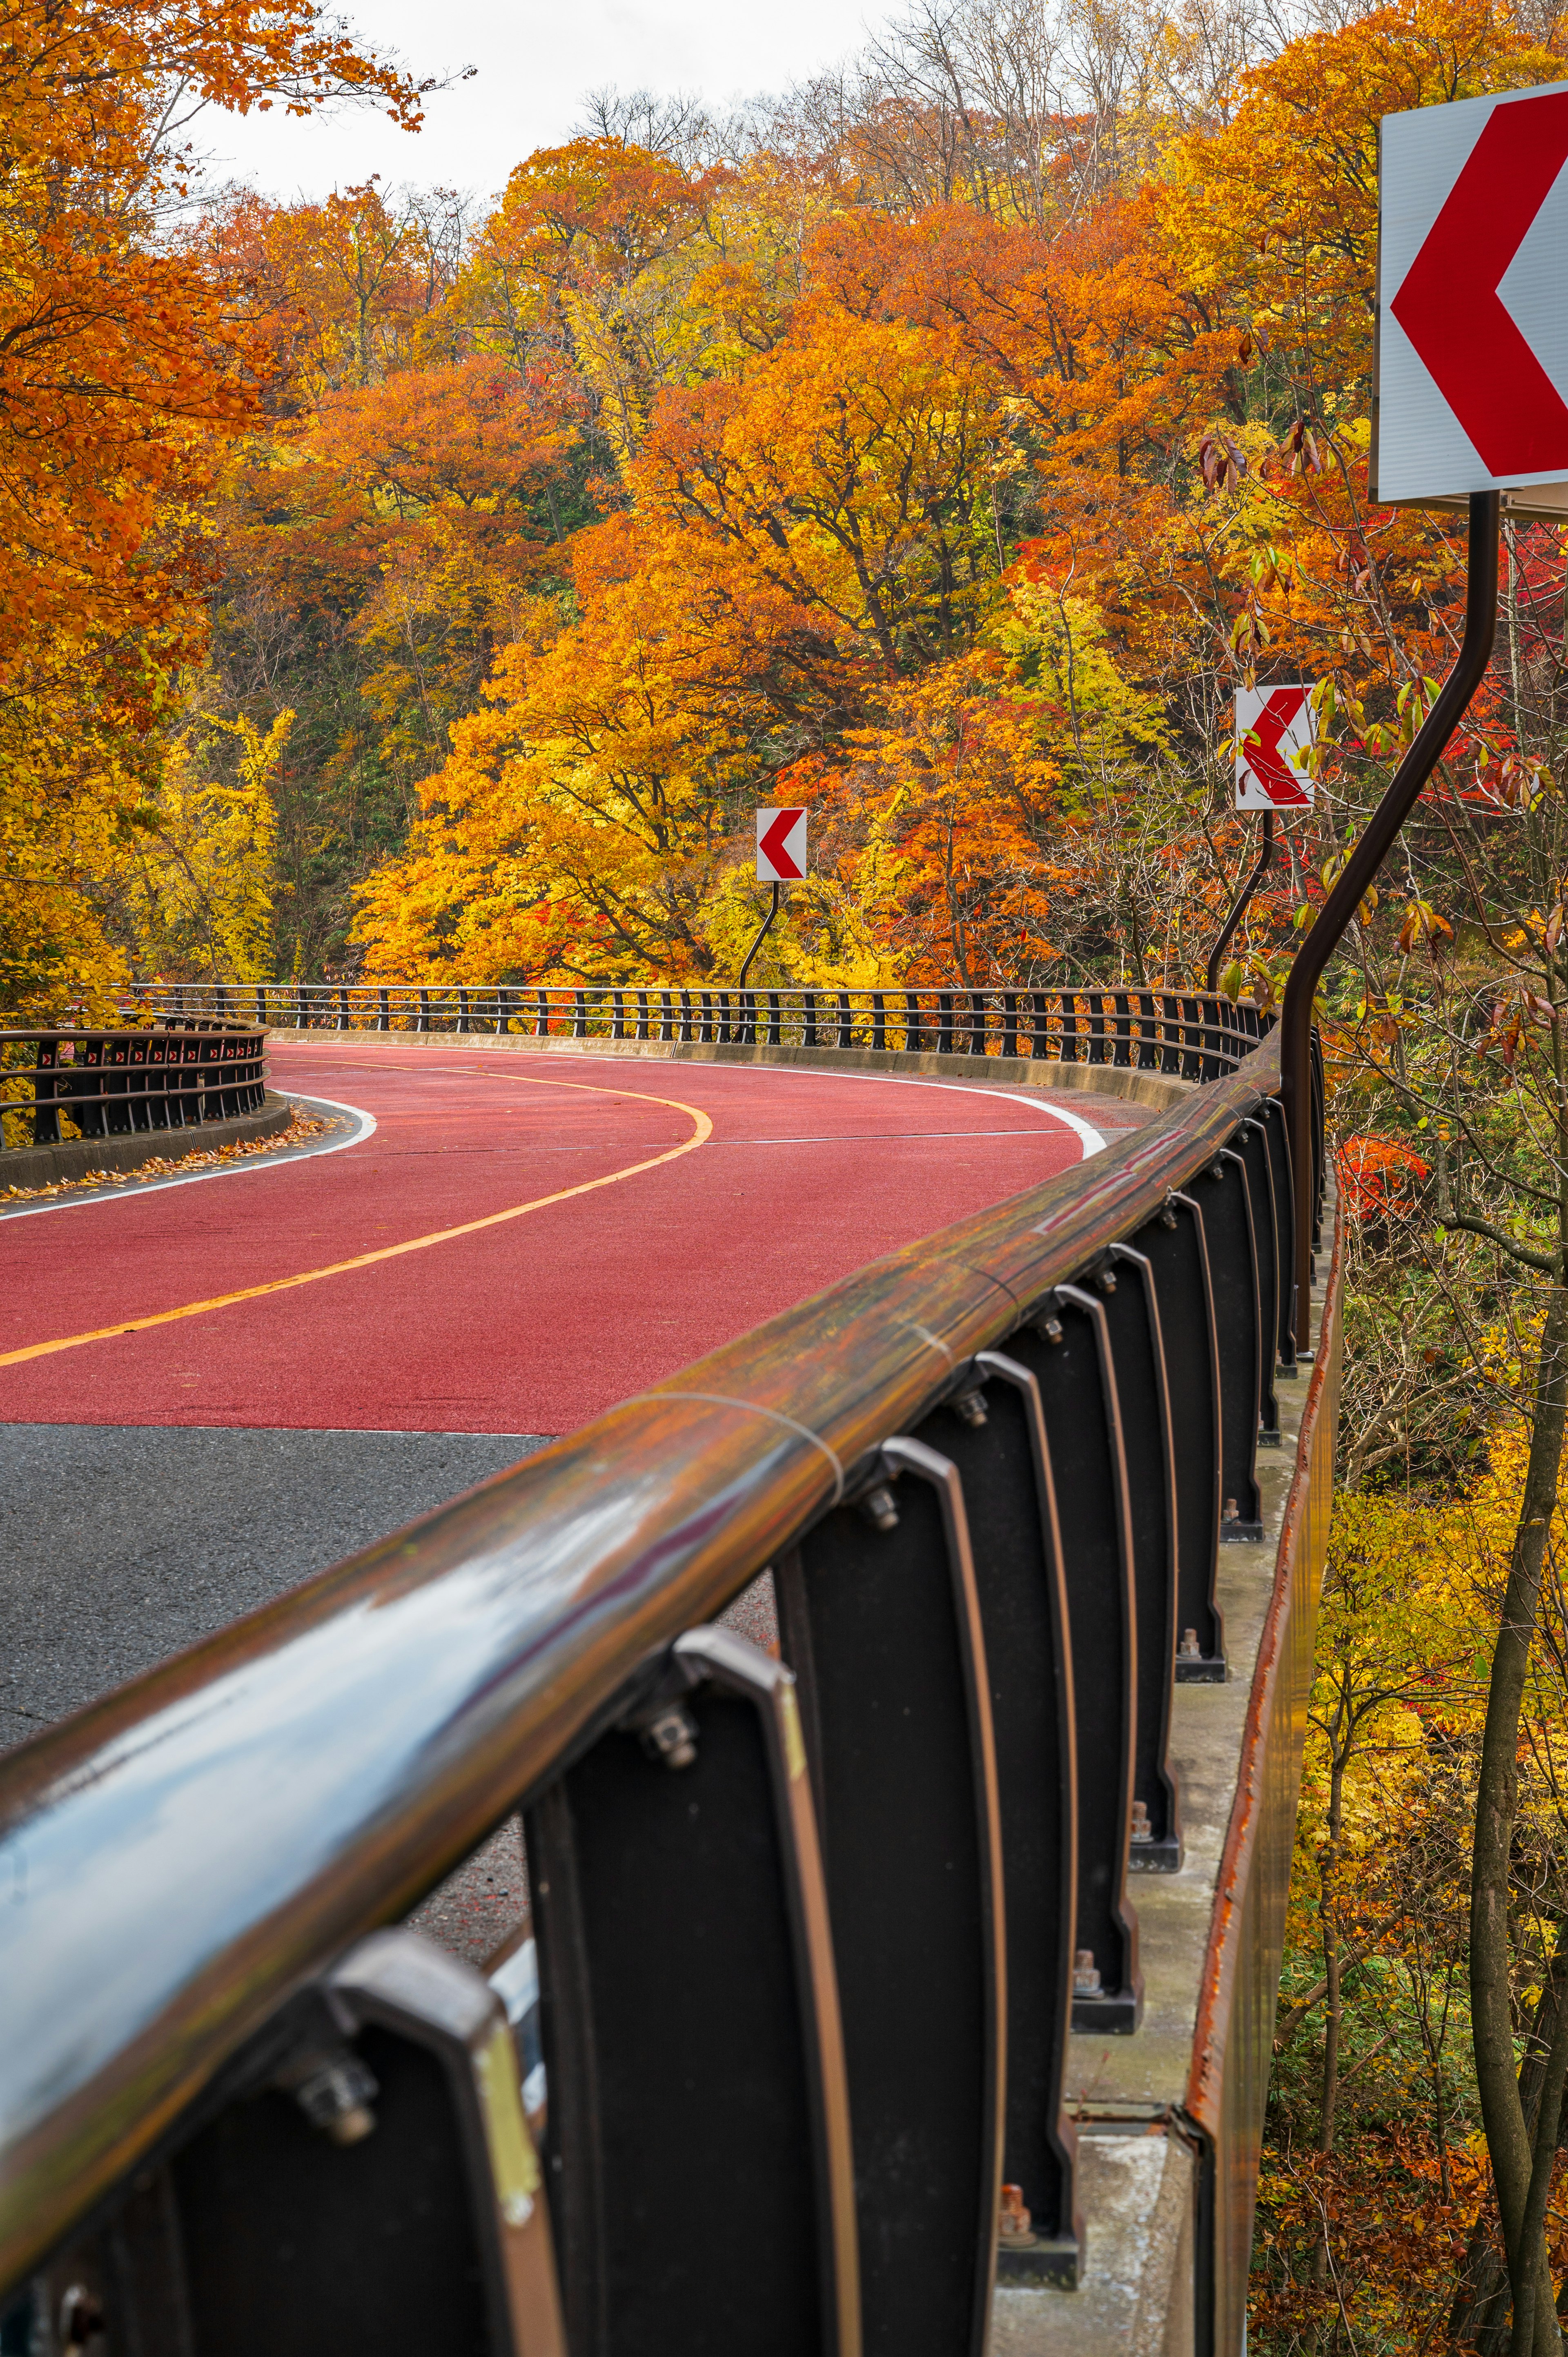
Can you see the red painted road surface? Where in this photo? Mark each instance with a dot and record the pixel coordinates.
(533, 1324)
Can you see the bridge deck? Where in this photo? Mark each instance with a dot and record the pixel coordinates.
(715, 1197)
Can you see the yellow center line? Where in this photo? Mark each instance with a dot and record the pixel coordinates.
(702, 1131)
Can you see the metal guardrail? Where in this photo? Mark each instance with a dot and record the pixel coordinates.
(113, 1083)
(806, 1935)
(1197, 1035)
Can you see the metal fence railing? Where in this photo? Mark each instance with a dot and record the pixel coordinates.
(806, 1933)
(111, 1083)
(1194, 1034)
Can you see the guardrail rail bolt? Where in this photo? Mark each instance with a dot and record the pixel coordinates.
(1187, 1651)
(1015, 2223)
(81, 2317)
(336, 2098)
(671, 1737)
(1143, 1830)
(1085, 1974)
(880, 1509)
(1229, 1513)
(1050, 1326)
(970, 1407)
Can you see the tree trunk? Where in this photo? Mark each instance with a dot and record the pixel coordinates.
(1480, 2315)
(1509, 2139)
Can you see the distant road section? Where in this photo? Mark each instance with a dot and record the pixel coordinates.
(520, 1243)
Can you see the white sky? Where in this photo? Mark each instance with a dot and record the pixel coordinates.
(536, 59)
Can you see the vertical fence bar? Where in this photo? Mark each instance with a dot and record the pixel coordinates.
(994, 1434)
(1175, 1247)
(685, 1962)
(880, 1619)
(1143, 1390)
(1067, 1347)
(1225, 1200)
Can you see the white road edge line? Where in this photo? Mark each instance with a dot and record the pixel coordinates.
(1091, 1139)
(253, 1168)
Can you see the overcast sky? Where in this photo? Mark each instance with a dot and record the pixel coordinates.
(535, 58)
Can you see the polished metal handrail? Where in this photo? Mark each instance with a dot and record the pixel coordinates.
(115, 1083)
(192, 1860)
(1196, 1035)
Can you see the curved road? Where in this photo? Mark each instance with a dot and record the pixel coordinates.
(520, 1242)
(212, 1388)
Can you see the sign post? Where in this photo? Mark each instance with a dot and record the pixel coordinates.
(1470, 376)
(1274, 742)
(780, 860)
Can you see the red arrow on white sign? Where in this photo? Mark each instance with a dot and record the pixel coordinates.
(780, 845)
(1273, 737)
(1473, 249)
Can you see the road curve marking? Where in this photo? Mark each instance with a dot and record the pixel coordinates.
(703, 1130)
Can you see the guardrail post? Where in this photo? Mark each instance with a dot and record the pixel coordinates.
(809, 1009)
(914, 1035)
(685, 1956)
(88, 1112)
(431, 2232)
(775, 1036)
(879, 1615)
(1253, 1148)
(1122, 1001)
(1009, 1022)
(1225, 1199)
(687, 1032)
(46, 1097)
(383, 1017)
(642, 1030)
(1192, 1062)
(1067, 1347)
(944, 1022)
(1176, 1250)
(665, 1017)
(878, 1018)
(155, 1099)
(994, 1434)
(1142, 1391)
(618, 1015)
(1272, 1114)
(579, 1015)
(846, 1021)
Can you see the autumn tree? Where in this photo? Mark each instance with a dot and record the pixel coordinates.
(121, 371)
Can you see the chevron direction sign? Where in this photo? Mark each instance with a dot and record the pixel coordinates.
(1471, 377)
(1273, 737)
(780, 845)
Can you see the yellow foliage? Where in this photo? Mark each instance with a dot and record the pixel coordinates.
(198, 879)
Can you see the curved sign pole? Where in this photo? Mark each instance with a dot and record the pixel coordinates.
(1350, 885)
(1239, 905)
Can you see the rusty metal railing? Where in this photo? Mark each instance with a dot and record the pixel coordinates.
(113, 1083)
(1196, 1035)
(807, 1934)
